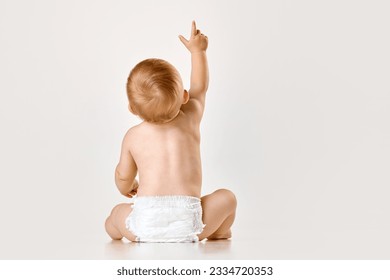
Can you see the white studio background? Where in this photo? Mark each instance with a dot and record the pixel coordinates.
(296, 123)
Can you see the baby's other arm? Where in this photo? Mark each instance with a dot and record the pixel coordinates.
(197, 45)
(126, 170)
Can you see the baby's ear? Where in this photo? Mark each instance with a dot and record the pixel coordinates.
(131, 109)
(186, 96)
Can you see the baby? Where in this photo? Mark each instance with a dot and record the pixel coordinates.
(165, 150)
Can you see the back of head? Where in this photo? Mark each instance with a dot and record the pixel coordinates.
(154, 88)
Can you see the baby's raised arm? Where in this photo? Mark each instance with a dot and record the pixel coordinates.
(197, 45)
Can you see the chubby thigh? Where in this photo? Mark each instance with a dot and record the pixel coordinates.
(219, 211)
(116, 222)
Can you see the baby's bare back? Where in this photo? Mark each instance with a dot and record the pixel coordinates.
(167, 157)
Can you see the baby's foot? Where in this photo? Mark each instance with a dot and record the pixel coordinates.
(218, 235)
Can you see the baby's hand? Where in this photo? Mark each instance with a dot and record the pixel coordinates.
(134, 189)
(197, 43)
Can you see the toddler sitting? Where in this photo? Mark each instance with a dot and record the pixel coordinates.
(165, 150)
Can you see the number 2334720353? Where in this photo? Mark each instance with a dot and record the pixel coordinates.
(241, 270)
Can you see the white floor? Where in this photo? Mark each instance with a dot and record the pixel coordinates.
(263, 245)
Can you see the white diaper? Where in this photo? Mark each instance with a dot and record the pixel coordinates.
(166, 218)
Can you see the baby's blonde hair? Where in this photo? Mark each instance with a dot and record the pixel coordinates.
(153, 89)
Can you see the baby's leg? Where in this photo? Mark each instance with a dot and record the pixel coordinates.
(219, 210)
(115, 223)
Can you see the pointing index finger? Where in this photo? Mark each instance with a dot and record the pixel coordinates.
(193, 29)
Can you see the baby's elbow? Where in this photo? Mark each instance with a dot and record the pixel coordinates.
(120, 176)
(203, 86)
(203, 89)
(200, 89)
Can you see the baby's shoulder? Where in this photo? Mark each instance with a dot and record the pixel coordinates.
(133, 138)
(132, 133)
(140, 131)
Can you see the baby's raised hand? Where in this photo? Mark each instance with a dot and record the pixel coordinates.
(198, 42)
